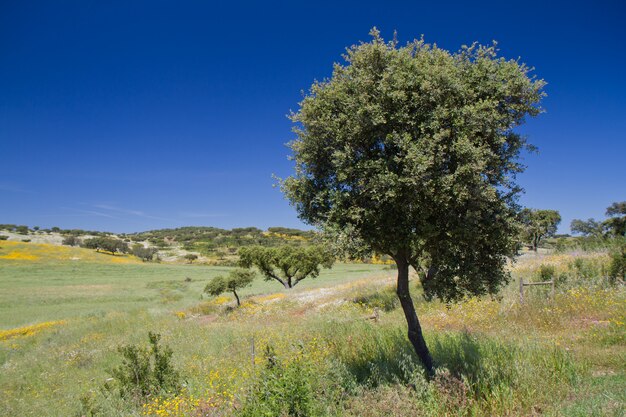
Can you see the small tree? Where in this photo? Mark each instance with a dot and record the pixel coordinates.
(71, 241)
(107, 244)
(538, 224)
(235, 280)
(410, 151)
(191, 257)
(588, 227)
(286, 264)
(143, 253)
(616, 222)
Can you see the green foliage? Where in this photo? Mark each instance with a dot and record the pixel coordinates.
(146, 371)
(144, 253)
(614, 226)
(4, 237)
(588, 227)
(384, 299)
(190, 257)
(107, 244)
(617, 267)
(235, 280)
(616, 223)
(546, 272)
(22, 230)
(283, 389)
(411, 149)
(538, 224)
(287, 264)
(71, 241)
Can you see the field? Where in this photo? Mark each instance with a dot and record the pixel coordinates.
(335, 345)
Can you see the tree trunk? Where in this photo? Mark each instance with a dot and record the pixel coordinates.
(414, 329)
(237, 297)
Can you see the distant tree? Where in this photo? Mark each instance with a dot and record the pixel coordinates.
(538, 224)
(616, 222)
(588, 227)
(411, 151)
(143, 253)
(190, 257)
(22, 230)
(71, 241)
(106, 244)
(235, 280)
(36, 228)
(55, 229)
(286, 264)
(614, 226)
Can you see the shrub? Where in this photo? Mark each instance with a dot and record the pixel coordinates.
(283, 389)
(146, 371)
(71, 241)
(3, 237)
(26, 240)
(190, 257)
(143, 253)
(546, 272)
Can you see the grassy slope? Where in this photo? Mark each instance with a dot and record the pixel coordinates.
(563, 358)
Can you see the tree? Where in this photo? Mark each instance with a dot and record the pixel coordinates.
(614, 226)
(191, 257)
(143, 253)
(235, 280)
(588, 227)
(107, 244)
(410, 152)
(616, 222)
(71, 241)
(286, 264)
(538, 224)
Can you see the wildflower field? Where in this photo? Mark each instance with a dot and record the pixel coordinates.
(334, 346)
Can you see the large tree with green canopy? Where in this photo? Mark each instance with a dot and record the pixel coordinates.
(410, 151)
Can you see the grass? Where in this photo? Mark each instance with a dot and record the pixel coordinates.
(317, 351)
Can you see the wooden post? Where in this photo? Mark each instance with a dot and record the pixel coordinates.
(553, 290)
(252, 351)
(521, 290)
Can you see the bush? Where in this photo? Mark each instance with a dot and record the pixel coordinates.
(71, 241)
(143, 253)
(3, 237)
(146, 371)
(283, 389)
(546, 272)
(384, 299)
(26, 240)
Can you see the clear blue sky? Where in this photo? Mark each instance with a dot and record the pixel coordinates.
(132, 115)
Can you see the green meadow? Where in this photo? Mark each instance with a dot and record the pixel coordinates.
(333, 346)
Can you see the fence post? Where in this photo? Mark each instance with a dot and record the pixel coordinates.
(252, 351)
(553, 290)
(521, 290)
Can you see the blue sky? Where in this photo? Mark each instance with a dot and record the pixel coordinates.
(126, 116)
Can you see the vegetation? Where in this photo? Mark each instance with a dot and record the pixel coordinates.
(72, 241)
(316, 352)
(613, 226)
(235, 280)
(411, 152)
(190, 257)
(106, 244)
(287, 264)
(145, 371)
(538, 224)
(144, 253)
